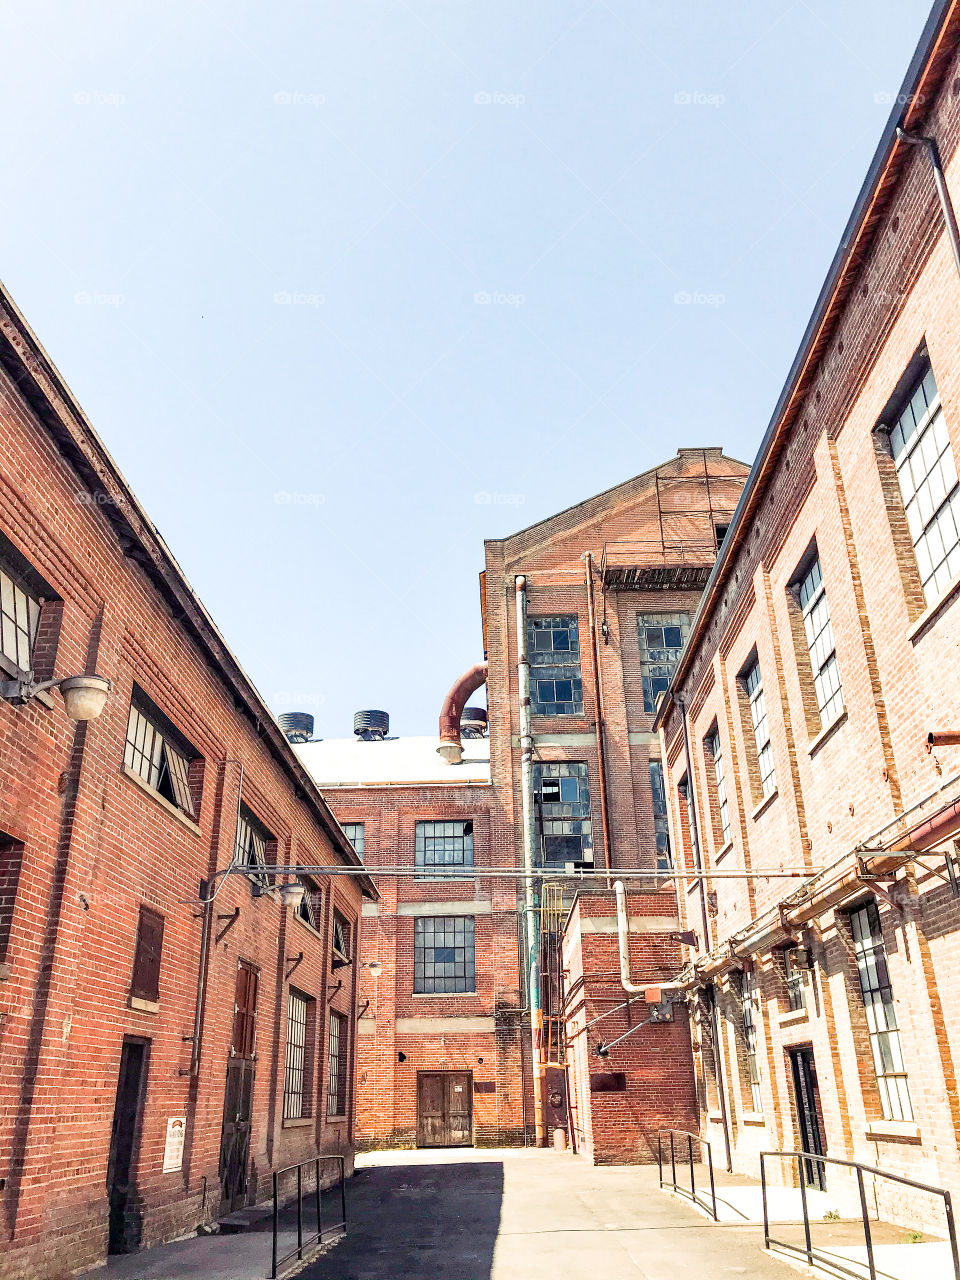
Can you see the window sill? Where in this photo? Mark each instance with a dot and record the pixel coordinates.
(715, 1117)
(904, 1130)
(162, 801)
(753, 1117)
(826, 733)
(441, 995)
(305, 924)
(296, 1122)
(727, 848)
(793, 1016)
(918, 629)
(336, 1120)
(764, 804)
(143, 1006)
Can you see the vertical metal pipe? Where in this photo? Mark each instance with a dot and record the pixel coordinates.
(867, 1234)
(806, 1212)
(940, 182)
(530, 889)
(601, 743)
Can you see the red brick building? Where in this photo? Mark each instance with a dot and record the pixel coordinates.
(610, 587)
(795, 734)
(169, 1035)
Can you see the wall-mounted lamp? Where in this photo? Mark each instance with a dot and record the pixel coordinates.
(291, 895)
(83, 696)
(375, 967)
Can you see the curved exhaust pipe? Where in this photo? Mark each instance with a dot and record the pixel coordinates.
(652, 993)
(452, 710)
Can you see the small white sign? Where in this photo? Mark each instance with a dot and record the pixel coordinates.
(173, 1147)
(458, 1088)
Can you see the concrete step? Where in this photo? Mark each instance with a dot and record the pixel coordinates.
(254, 1218)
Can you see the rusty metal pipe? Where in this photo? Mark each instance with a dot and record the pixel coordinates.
(452, 710)
(601, 744)
(944, 738)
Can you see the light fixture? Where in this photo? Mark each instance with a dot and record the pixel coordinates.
(83, 696)
(375, 967)
(291, 895)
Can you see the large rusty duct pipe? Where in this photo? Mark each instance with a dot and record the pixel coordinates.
(452, 709)
(601, 744)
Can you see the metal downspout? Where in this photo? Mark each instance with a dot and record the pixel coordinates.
(531, 905)
(940, 180)
(601, 745)
(698, 866)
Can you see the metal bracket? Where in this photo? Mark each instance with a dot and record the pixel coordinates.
(789, 929)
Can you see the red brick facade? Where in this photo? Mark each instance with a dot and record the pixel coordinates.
(87, 844)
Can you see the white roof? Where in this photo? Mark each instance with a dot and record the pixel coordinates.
(348, 762)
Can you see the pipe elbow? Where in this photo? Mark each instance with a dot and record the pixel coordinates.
(450, 748)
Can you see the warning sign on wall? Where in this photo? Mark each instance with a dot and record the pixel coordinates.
(173, 1147)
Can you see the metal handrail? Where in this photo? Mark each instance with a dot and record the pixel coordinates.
(691, 1138)
(800, 1157)
(316, 1237)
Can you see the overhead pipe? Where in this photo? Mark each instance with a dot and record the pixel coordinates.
(452, 709)
(601, 744)
(530, 894)
(651, 992)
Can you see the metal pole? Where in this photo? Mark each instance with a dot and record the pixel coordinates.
(531, 903)
(693, 1178)
(317, 1190)
(601, 749)
(713, 1189)
(660, 1156)
(299, 1210)
(763, 1193)
(952, 1233)
(867, 1236)
(673, 1163)
(343, 1194)
(806, 1212)
(276, 1228)
(940, 182)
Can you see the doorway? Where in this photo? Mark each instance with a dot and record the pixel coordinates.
(445, 1109)
(126, 1219)
(238, 1095)
(806, 1097)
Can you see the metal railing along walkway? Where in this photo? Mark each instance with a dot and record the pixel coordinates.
(688, 1140)
(314, 1237)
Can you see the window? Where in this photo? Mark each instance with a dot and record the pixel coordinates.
(309, 910)
(443, 844)
(561, 793)
(820, 645)
(556, 688)
(793, 972)
(354, 833)
(927, 474)
(662, 637)
(444, 958)
(252, 841)
(296, 1079)
(145, 982)
(881, 1013)
(19, 619)
(660, 824)
(341, 941)
(152, 754)
(748, 994)
(715, 751)
(337, 1066)
(753, 686)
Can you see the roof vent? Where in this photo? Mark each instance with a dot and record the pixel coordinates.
(297, 726)
(473, 722)
(371, 726)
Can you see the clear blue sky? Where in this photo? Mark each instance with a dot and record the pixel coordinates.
(252, 236)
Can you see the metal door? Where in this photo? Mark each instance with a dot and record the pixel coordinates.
(125, 1216)
(238, 1095)
(808, 1114)
(445, 1109)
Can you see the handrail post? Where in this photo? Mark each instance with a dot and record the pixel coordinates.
(343, 1193)
(806, 1214)
(763, 1193)
(713, 1189)
(276, 1228)
(673, 1163)
(693, 1178)
(299, 1210)
(316, 1189)
(660, 1156)
(952, 1233)
(867, 1235)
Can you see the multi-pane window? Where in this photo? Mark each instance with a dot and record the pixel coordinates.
(881, 1013)
(309, 910)
(720, 781)
(296, 1092)
(927, 474)
(556, 688)
(151, 755)
(337, 1066)
(561, 793)
(19, 619)
(251, 851)
(748, 993)
(796, 994)
(753, 684)
(341, 941)
(823, 655)
(662, 637)
(354, 833)
(660, 824)
(443, 844)
(444, 958)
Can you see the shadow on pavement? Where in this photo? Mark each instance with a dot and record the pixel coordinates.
(421, 1222)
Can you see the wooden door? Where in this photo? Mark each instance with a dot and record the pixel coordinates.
(238, 1095)
(808, 1114)
(125, 1216)
(445, 1109)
